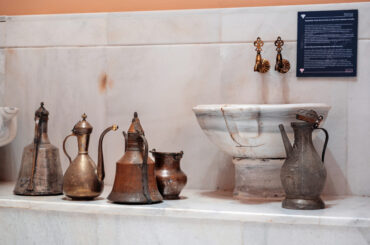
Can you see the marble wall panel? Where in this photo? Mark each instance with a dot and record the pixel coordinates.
(276, 234)
(163, 83)
(358, 166)
(158, 27)
(245, 24)
(2, 32)
(55, 30)
(47, 227)
(23, 226)
(69, 81)
(166, 27)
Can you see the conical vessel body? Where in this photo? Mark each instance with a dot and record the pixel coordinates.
(135, 181)
(41, 172)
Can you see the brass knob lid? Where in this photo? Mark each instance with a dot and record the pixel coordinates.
(135, 126)
(83, 126)
(41, 113)
(310, 116)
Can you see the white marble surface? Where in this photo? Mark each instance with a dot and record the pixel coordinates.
(208, 61)
(200, 217)
(346, 211)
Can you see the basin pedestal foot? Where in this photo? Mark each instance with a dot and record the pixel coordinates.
(258, 178)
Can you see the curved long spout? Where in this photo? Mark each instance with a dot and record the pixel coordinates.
(286, 141)
(100, 168)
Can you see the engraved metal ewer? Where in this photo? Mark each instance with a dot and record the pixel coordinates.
(303, 173)
(41, 172)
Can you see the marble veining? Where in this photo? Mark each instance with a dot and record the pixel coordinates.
(251, 131)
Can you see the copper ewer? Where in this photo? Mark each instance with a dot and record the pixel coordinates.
(40, 173)
(135, 181)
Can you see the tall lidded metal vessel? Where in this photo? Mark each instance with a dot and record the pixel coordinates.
(303, 174)
(135, 181)
(41, 172)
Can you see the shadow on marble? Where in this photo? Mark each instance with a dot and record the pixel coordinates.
(8, 168)
(255, 201)
(334, 198)
(180, 198)
(134, 204)
(218, 195)
(336, 180)
(82, 200)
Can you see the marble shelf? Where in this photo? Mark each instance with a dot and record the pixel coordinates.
(200, 217)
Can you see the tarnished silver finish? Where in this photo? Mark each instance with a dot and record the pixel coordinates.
(41, 172)
(303, 174)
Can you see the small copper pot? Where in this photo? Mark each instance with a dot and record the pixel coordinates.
(170, 178)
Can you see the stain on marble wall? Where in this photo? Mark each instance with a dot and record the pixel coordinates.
(104, 83)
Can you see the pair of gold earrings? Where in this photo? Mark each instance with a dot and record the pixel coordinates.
(263, 65)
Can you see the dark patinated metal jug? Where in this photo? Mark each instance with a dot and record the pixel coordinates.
(41, 172)
(170, 178)
(83, 179)
(303, 173)
(135, 181)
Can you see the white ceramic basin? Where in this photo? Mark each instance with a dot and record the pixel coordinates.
(8, 124)
(251, 131)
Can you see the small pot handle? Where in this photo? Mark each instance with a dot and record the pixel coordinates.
(325, 144)
(64, 147)
(179, 155)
